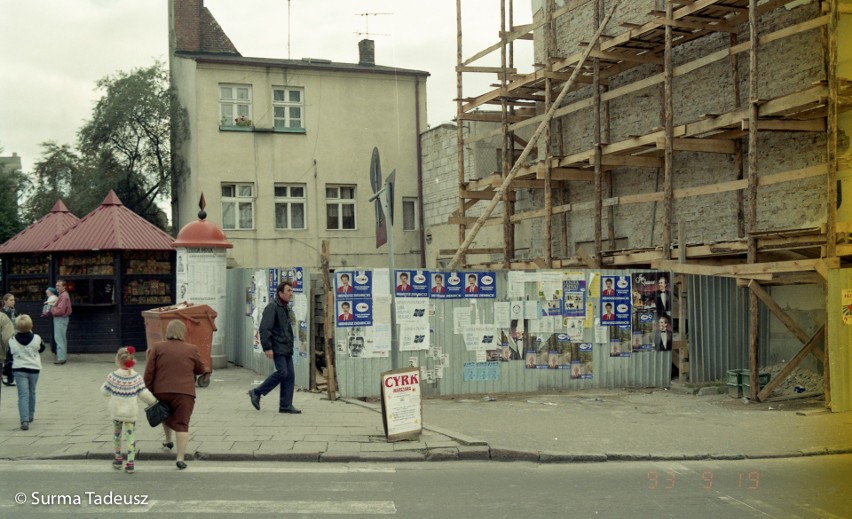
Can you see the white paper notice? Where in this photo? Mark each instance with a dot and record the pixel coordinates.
(480, 337)
(574, 328)
(515, 285)
(300, 306)
(501, 315)
(413, 337)
(550, 285)
(532, 310)
(516, 310)
(381, 309)
(601, 332)
(412, 310)
(461, 319)
(381, 339)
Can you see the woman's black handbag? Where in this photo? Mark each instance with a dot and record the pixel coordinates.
(156, 413)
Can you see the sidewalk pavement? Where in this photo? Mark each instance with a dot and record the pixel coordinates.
(72, 422)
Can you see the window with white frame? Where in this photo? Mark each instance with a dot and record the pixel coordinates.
(290, 206)
(237, 206)
(340, 207)
(288, 105)
(409, 214)
(235, 105)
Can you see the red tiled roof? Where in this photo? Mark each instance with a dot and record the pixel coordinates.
(111, 226)
(41, 233)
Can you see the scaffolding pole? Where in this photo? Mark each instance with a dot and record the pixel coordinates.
(536, 135)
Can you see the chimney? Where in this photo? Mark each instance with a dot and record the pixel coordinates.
(186, 24)
(366, 52)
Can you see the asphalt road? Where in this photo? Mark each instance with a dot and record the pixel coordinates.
(805, 487)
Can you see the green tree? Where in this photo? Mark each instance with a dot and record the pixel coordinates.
(53, 178)
(12, 184)
(126, 145)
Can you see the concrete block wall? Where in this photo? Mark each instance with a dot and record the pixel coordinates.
(785, 66)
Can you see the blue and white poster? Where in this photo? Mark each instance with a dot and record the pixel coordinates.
(437, 284)
(446, 285)
(353, 284)
(297, 278)
(615, 309)
(479, 285)
(354, 312)
(574, 298)
(411, 283)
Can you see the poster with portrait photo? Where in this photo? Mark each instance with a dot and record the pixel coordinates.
(354, 312)
(586, 360)
(643, 330)
(620, 341)
(411, 283)
(350, 284)
(615, 303)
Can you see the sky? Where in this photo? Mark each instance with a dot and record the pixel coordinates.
(52, 52)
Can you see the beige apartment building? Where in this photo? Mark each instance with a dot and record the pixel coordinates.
(281, 148)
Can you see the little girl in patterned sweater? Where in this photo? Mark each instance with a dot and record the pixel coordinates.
(122, 386)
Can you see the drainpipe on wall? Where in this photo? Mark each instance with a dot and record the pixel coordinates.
(422, 235)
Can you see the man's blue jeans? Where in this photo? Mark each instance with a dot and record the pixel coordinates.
(26, 383)
(60, 329)
(283, 376)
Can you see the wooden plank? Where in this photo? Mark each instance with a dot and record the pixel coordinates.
(470, 220)
(813, 125)
(717, 27)
(623, 56)
(483, 250)
(704, 270)
(632, 161)
(482, 195)
(788, 368)
(796, 174)
(700, 145)
(778, 312)
(748, 270)
(497, 70)
(328, 329)
(489, 117)
(568, 174)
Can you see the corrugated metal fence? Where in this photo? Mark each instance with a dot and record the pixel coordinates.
(239, 328)
(359, 377)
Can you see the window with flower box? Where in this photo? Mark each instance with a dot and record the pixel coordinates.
(235, 106)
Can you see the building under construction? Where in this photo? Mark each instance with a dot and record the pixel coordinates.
(702, 137)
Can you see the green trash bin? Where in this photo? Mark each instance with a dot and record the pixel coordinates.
(739, 382)
(733, 379)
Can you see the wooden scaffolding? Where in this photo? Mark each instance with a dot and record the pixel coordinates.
(756, 257)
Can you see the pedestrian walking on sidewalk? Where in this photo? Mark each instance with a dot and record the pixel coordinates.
(125, 387)
(24, 351)
(170, 373)
(276, 338)
(61, 312)
(9, 328)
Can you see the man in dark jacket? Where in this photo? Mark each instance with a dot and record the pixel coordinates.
(276, 338)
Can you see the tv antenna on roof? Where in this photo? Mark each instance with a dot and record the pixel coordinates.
(367, 24)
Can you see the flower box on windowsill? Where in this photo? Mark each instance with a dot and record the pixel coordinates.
(234, 128)
(280, 129)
